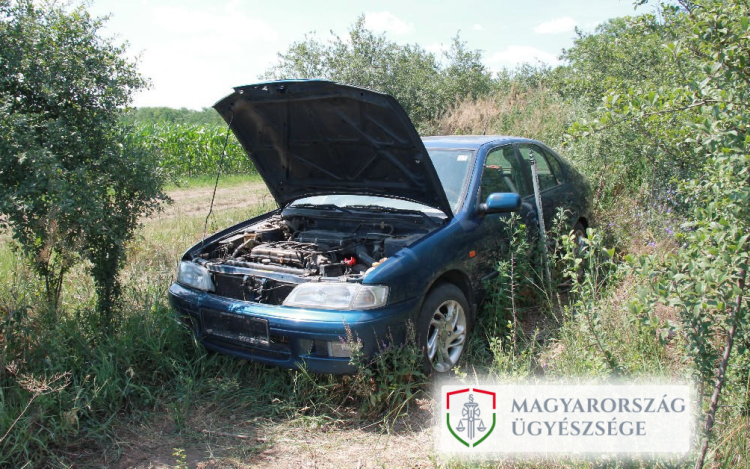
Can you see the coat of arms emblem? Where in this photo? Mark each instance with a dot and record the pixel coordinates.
(470, 428)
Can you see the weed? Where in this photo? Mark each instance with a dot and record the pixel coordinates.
(389, 381)
(180, 458)
(504, 292)
(590, 267)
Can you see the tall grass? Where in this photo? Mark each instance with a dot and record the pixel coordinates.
(65, 386)
(532, 112)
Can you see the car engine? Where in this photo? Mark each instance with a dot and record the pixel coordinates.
(264, 261)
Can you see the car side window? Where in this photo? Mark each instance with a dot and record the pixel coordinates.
(501, 172)
(547, 177)
(554, 165)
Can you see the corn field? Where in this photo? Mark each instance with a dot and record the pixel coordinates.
(194, 149)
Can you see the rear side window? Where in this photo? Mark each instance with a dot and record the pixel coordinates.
(548, 168)
(554, 165)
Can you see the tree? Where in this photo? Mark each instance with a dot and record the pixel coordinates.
(622, 58)
(73, 182)
(704, 100)
(424, 85)
(621, 53)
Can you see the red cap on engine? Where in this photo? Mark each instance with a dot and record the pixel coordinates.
(350, 261)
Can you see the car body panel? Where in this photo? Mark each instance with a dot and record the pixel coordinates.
(464, 249)
(313, 137)
(296, 328)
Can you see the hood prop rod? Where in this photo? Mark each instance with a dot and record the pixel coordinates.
(218, 173)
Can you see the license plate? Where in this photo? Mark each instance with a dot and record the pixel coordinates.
(238, 327)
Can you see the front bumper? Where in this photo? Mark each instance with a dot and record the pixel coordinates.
(297, 335)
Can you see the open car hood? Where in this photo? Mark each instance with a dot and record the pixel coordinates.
(312, 137)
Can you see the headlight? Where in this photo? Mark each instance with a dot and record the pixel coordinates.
(193, 275)
(340, 296)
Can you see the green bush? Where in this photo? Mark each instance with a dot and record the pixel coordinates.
(74, 182)
(423, 84)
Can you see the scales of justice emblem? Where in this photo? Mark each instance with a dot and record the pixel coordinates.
(471, 414)
(472, 419)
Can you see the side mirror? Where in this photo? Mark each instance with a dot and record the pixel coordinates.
(501, 202)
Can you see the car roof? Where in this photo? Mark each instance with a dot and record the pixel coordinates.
(469, 141)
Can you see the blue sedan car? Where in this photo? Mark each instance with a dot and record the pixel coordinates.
(376, 228)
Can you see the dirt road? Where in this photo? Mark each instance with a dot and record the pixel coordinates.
(280, 445)
(190, 202)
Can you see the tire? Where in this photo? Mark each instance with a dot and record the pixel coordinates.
(443, 327)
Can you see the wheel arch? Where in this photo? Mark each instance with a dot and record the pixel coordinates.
(450, 283)
(461, 280)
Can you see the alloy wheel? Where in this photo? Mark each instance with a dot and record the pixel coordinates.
(446, 335)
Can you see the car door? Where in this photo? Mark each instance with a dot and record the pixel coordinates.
(502, 171)
(551, 181)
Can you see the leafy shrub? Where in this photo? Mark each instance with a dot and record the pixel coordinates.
(423, 84)
(73, 180)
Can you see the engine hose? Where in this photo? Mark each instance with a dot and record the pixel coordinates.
(363, 256)
(242, 246)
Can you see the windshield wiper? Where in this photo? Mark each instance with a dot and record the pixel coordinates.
(322, 207)
(381, 209)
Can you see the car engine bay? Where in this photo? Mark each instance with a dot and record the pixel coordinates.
(263, 262)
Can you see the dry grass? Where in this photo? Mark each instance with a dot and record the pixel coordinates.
(211, 439)
(195, 201)
(533, 113)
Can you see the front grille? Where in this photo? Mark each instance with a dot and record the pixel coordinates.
(319, 348)
(280, 340)
(249, 288)
(229, 286)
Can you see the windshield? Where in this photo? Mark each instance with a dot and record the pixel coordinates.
(452, 168)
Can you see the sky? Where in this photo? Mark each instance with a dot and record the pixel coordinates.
(195, 51)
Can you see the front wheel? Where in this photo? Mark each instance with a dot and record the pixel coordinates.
(443, 325)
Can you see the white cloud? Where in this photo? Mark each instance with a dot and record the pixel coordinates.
(557, 25)
(512, 56)
(478, 27)
(385, 21)
(195, 61)
(227, 23)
